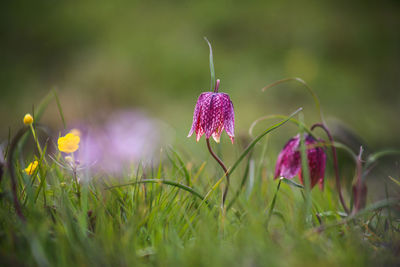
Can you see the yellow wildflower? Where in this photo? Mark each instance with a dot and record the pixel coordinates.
(28, 119)
(68, 143)
(31, 167)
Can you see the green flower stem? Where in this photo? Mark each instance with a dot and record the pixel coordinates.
(335, 164)
(271, 209)
(223, 167)
(36, 139)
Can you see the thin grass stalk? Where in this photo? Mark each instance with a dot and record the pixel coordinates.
(271, 208)
(10, 165)
(310, 90)
(335, 164)
(161, 181)
(304, 168)
(244, 179)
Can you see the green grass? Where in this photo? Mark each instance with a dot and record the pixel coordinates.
(170, 215)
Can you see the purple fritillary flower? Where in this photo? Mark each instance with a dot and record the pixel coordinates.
(213, 114)
(288, 164)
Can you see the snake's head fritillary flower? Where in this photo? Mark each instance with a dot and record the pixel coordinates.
(288, 164)
(68, 143)
(31, 167)
(213, 114)
(28, 119)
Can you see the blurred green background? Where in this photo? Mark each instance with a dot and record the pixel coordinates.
(150, 55)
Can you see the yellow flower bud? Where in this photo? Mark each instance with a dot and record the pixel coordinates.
(31, 167)
(69, 159)
(28, 119)
(63, 184)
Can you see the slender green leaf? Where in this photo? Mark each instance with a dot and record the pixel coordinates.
(162, 181)
(212, 70)
(59, 108)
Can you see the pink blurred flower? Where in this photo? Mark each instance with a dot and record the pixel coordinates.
(124, 138)
(213, 114)
(288, 164)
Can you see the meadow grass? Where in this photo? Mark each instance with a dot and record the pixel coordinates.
(169, 214)
(56, 212)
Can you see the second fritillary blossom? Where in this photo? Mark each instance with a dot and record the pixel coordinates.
(288, 164)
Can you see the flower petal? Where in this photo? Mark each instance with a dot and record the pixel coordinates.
(196, 113)
(288, 164)
(229, 117)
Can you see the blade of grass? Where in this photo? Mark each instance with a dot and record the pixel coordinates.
(310, 90)
(272, 206)
(304, 168)
(212, 70)
(375, 206)
(374, 157)
(182, 165)
(395, 180)
(162, 181)
(59, 108)
(244, 179)
(291, 183)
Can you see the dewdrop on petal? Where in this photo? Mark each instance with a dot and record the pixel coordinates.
(28, 119)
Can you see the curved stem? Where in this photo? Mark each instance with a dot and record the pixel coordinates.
(10, 166)
(335, 163)
(314, 95)
(223, 167)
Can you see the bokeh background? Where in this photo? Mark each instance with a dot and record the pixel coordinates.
(150, 56)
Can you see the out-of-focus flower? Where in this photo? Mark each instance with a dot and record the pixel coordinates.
(28, 119)
(124, 137)
(288, 164)
(213, 113)
(68, 143)
(31, 167)
(76, 132)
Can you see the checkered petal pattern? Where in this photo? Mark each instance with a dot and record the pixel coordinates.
(288, 164)
(213, 114)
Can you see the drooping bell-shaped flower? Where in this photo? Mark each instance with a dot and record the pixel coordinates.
(288, 164)
(213, 114)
